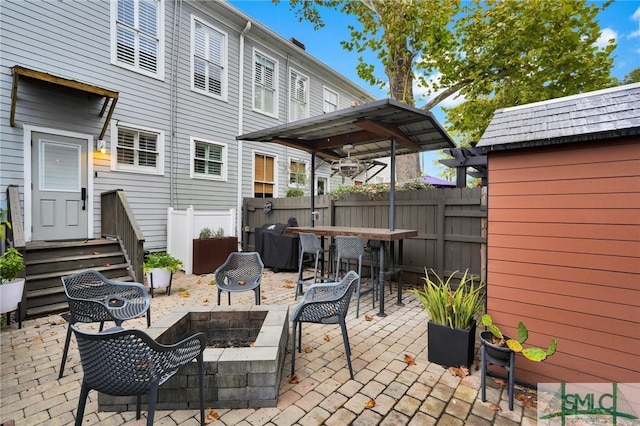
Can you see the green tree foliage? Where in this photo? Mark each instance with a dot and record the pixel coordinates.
(632, 77)
(495, 53)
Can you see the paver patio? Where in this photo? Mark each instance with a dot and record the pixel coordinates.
(420, 394)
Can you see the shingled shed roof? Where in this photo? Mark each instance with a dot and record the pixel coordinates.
(602, 114)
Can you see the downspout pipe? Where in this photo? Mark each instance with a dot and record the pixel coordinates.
(239, 232)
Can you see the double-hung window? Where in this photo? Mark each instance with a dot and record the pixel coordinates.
(137, 36)
(265, 84)
(209, 57)
(297, 173)
(209, 160)
(264, 177)
(298, 95)
(329, 100)
(137, 149)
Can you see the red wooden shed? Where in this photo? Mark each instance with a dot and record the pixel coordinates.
(564, 232)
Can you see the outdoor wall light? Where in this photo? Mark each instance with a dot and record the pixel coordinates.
(101, 146)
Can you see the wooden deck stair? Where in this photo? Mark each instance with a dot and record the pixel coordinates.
(47, 262)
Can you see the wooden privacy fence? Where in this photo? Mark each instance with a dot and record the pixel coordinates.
(451, 224)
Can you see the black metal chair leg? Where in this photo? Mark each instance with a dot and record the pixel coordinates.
(65, 351)
(149, 317)
(347, 349)
(138, 406)
(293, 348)
(201, 374)
(483, 374)
(151, 407)
(82, 402)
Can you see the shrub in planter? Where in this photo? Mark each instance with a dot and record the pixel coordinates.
(452, 325)
(494, 337)
(11, 287)
(159, 267)
(211, 250)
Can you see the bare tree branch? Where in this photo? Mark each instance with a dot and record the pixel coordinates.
(446, 93)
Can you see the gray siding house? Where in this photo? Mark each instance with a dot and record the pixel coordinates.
(148, 97)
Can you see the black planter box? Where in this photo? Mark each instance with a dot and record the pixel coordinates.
(209, 253)
(451, 347)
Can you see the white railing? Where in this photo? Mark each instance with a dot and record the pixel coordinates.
(185, 225)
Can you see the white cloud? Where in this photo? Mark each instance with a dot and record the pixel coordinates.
(606, 35)
(635, 17)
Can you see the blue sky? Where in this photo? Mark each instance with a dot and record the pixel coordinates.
(621, 20)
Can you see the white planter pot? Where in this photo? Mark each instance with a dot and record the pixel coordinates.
(11, 295)
(161, 278)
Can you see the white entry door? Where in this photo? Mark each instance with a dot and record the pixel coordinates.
(59, 194)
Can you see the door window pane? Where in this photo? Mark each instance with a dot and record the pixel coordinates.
(60, 166)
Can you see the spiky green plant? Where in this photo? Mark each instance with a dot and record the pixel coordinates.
(449, 307)
(531, 353)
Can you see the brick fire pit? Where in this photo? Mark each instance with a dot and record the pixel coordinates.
(235, 377)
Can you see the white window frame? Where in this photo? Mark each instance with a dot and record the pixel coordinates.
(292, 100)
(325, 91)
(224, 78)
(115, 166)
(224, 161)
(276, 176)
(289, 172)
(159, 74)
(276, 92)
(326, 186)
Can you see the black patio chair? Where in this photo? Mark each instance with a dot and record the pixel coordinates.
(128, 362)
(240, 272)
(325, 303)
(94, 298)
(350, 248)
(310, 244)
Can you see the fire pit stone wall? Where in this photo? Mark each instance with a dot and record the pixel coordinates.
(235, 377)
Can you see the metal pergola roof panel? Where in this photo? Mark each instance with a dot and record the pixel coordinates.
(368, 127)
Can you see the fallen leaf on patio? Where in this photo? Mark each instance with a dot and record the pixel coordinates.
(461, 371)
(370, 404)
(368, 318)
(205, 301)
(213, 282)
(495, 407)
(308, 349)
(293, 380)
(409, 359)
(198, 281)
(95, 253)
(287, 285)
(288, 282)
(185, 294)
(181, 289)
(37, 326)
(36, 338)
(327, 338)
(500, 382)
(211, 415)
(242, 282)
(528, 401)
(252, 344)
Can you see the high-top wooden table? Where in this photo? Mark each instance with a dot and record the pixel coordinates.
(383, 235)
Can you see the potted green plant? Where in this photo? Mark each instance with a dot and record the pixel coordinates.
(211, 249)
(159, 268)
(11, 286)
(499, 345)
(452, 318)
